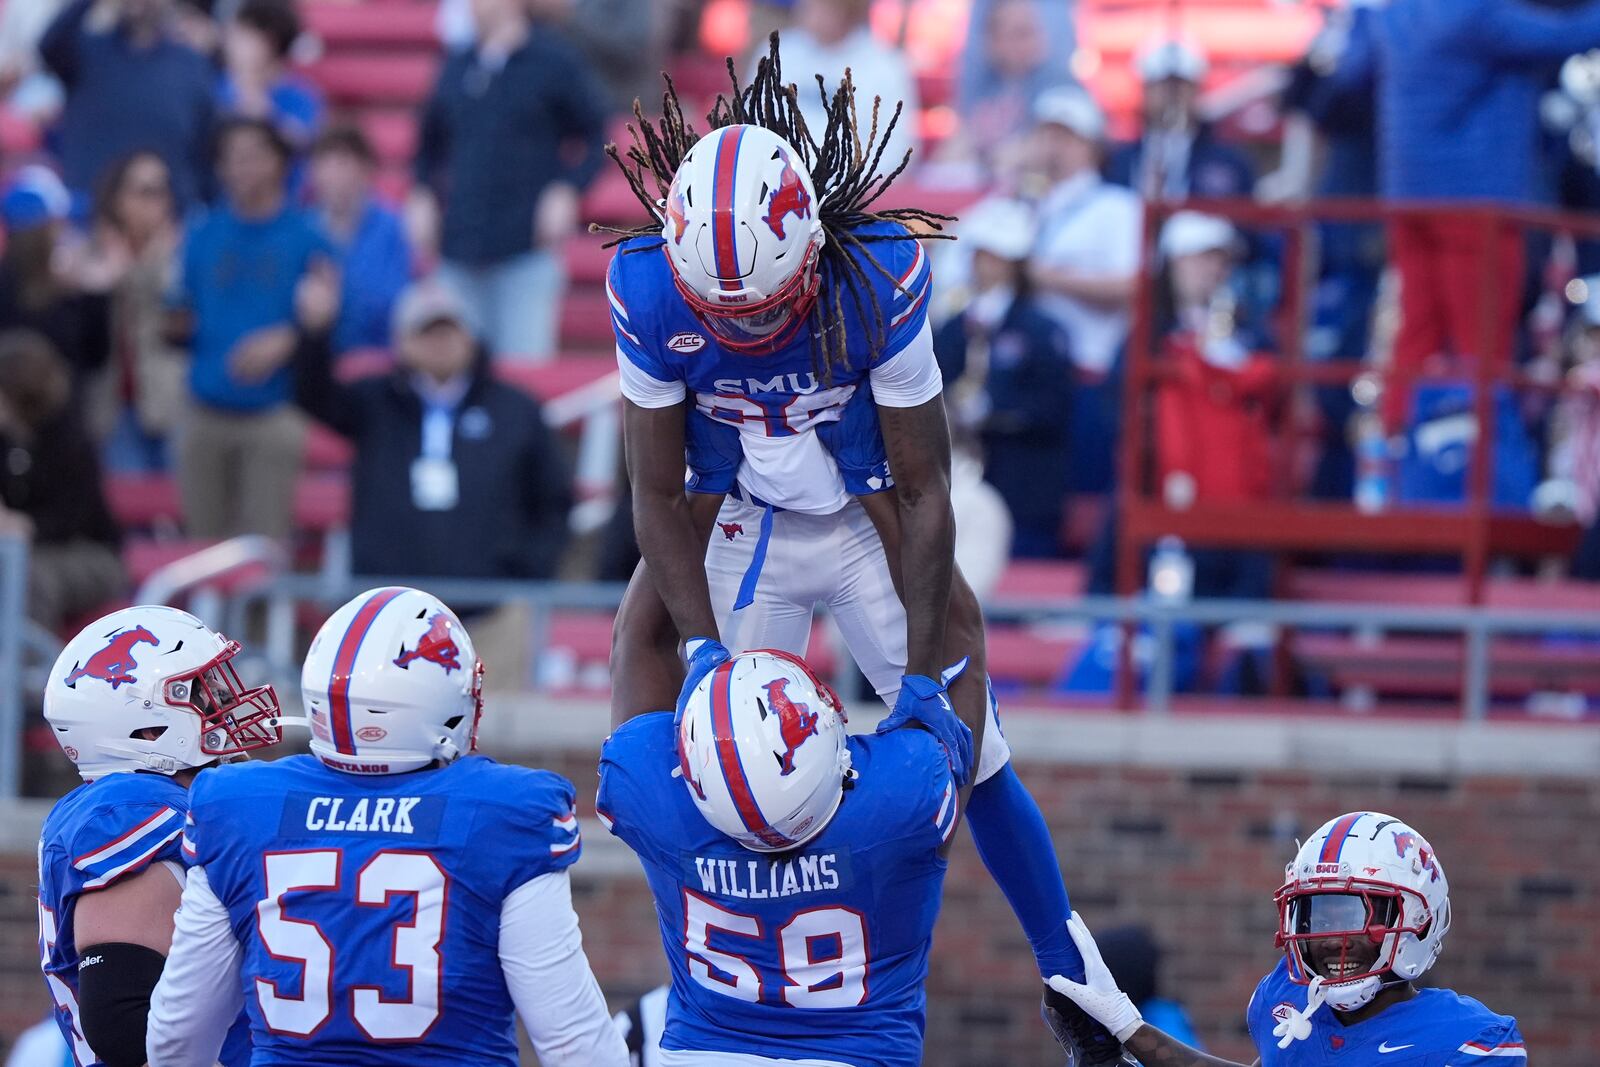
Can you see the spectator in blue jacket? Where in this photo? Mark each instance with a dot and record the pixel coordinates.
(513, 132)
(1177, 154)
(130, 85)
(1458, 111)
(374, 255)
(1009, 378)
(241, 442)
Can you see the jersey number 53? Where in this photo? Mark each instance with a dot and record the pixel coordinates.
(414, 945)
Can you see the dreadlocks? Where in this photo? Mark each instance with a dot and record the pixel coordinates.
(844, 171)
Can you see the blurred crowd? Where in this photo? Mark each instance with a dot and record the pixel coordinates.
(199, 244)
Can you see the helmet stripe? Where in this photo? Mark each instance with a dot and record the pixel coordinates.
(344, 662)
(732, 766)
(1334, 845)
(722, 228)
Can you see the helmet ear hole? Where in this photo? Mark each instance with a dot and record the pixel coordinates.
(453, 721)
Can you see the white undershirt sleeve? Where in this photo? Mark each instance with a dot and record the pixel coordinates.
(541, 953)
(909, 377)
(198, 996)
(644, 389)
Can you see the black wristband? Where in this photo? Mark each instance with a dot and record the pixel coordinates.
(115, 980)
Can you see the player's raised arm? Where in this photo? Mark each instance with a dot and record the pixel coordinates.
(646, 673)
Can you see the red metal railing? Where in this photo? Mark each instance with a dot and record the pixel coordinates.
(1475, 532)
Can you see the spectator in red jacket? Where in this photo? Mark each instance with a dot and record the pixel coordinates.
(1215, 408)
(1213, 439)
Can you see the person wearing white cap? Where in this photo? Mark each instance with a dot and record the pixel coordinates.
(1085, 264)
(1010, 379)
(1177, 154)
(1212, 412)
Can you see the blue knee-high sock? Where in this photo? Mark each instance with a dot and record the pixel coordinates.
(1014, 843)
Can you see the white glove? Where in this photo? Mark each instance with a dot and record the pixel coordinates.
(1296, 1026)
(1100, 998)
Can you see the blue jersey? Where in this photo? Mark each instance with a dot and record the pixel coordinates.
(838, 929)
(772, 399)
(368, 907)
(1436, 1028)
(105, 830)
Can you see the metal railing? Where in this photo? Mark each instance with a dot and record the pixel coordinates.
(1476, 625)
(13, 617)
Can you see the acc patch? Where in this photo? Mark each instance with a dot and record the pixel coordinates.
(371, 733)
(686, 342)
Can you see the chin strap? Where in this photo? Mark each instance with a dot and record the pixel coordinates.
(1297, 1026)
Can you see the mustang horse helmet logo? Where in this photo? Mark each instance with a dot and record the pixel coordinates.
(677, 211)
(796, 722)
(790, 198)
(1403, 843)
(435, 646)
(114, 663)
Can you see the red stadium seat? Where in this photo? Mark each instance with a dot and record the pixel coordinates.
(139, 501)
(373, 23)
(1033, 579)
(553, 379)
(356, 79)
(322, 502)
(587, 260)
(586, 321)
(143, 556)
(326, 450)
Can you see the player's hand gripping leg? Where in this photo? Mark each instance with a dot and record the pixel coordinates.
(704, 655)
(1091, 1018)
(927, 702)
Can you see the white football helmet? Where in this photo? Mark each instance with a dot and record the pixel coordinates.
(743, 235)
(154, 668)
(391, 684)
(1364, 904)
(761, 748)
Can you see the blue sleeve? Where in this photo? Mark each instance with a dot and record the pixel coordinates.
(625, 322)
(1500, 1042)
(855, 441)
(907, 313)
(121, 839)
(714, 452)
(1014, 843)
(625, 799)
(537, 825)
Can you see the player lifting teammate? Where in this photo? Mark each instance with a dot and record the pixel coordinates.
(765, 304)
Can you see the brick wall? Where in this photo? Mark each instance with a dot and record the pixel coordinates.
(1196, 856)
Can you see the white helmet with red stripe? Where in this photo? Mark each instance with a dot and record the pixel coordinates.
(392, 684)
(1364, 904)
(743, 236)
(154, 668)
(762, 750)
